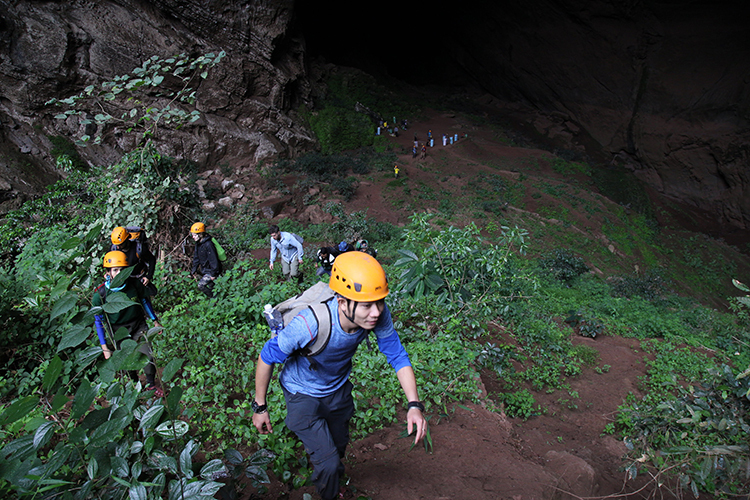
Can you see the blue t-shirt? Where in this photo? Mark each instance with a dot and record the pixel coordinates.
(325, 373)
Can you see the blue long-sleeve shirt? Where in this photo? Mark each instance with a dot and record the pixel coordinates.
(289, 247)
(325, 373)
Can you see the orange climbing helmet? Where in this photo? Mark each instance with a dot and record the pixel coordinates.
(358, 276)
(115, 258)
(119, 235)
(198, 227)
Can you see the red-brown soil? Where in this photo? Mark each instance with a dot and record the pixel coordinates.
(477, 453)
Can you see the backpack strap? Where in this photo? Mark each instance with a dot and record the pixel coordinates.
(323, 317)
(102, 290)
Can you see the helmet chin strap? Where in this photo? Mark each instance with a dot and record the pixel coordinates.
(108, 281)
(351, 318)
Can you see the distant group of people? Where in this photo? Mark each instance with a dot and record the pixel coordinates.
(419, 148)
(288, 247)
(327, 255)
(392, 128)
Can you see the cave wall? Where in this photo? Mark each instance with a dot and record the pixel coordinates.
(55, 48)
(660, 86)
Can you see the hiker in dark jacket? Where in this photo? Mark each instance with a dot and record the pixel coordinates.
(206, 258)
(133, 243)
(326, 256)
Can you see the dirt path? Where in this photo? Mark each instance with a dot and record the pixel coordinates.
(480, 454)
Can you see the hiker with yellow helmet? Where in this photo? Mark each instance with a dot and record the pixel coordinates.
(133, 243)
(132, 318)
(206, 258)
(316, 388)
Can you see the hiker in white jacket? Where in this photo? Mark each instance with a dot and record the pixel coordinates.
(290, 249)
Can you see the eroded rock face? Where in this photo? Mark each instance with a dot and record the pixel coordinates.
(661, 87)
(248, 102)
(657, 87)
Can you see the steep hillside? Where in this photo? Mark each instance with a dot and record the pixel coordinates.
(494, 176)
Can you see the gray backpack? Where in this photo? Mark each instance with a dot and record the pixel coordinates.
(316, 299)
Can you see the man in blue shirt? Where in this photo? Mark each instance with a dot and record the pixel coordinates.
(317, 388)
(290, 249)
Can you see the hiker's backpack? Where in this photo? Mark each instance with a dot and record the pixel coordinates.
(345, 247)
(316, 299)
(298, 238)
(220, 252)
(137, 235)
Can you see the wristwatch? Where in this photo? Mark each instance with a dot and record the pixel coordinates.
(415, 404)
(258, 408)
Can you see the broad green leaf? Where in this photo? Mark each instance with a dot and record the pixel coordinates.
(186, 458)
(120, 467)
(172, 429)
(58, 459)
(257, 474)
(137, 492)
(43, 434)
(63, 305)
(209, 470)
(121, 277)
(104, 434)
(173, 401)
(116, 303)
(121, 481)
(151, 417)
(92, 468)
(172, 367)
(210, 488)
(20, 449)
(136, 469)
(94, 233)
(71, 243)
(60, 399)
(83, 399)
(75, 336)
(233, 456)
(18, 409)
(52, 374)
(262, 457)
(161, 461)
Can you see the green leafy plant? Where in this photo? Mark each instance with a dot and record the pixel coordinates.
(562, 265)
(519, 404)
(584, 326)
(124, 102)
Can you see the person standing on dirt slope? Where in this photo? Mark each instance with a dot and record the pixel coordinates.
(317, 389)
(290, 249)
(132, 318)
(424, 152)
(445, 140)
(205, 258)
(395, 171)
(135, 247)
